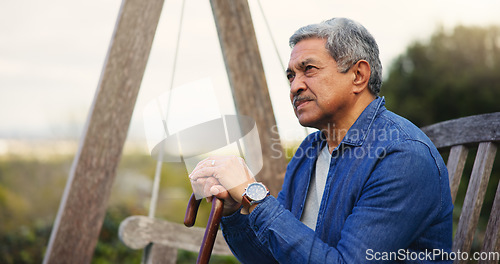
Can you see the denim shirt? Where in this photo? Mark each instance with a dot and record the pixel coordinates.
(386, 199)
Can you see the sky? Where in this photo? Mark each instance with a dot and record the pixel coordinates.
(52, 54)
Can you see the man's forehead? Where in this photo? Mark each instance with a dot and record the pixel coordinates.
(314, 45)
(308, 53)
(310, 43)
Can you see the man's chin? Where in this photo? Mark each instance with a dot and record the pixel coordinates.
(307, 123)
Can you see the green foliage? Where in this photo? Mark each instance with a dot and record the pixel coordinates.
(451, 75)
(24, 244)
(31, 189)
(109, 248)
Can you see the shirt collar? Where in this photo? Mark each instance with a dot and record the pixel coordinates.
(358, 132)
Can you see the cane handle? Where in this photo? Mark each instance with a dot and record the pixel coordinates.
(212, 226)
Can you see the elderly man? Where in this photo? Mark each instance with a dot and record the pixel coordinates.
(368, 186)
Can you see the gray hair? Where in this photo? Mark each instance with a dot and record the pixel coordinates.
(348, 42)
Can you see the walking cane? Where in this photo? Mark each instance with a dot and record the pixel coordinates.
(213, 225)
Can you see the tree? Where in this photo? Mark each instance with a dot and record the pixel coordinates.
(453, 74)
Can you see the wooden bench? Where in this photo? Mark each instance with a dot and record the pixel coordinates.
(138, 232)
(460, 135)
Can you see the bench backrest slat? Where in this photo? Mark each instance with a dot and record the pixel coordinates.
(456, 163)
(474, 197)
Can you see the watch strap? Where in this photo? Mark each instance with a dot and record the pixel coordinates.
(245, 202)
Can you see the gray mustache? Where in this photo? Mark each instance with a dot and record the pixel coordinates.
(301, 98)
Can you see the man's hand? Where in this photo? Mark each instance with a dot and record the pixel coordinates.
(224, 177)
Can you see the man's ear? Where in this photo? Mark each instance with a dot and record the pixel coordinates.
(361, 71)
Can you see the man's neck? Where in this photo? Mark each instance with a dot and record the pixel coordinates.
(335, 131)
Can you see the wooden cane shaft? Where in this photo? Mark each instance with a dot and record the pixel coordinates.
(211, 231)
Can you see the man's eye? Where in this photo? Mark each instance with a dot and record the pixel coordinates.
(309, 67)
(290, 76)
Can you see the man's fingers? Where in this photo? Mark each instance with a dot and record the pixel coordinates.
(219, 191)
(201, 186)
(202, 172)
(197, 187)
(200, 165)
(209, 182)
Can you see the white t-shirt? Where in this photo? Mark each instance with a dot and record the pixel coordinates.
(316, 187)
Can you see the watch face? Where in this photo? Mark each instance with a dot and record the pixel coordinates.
(256, 191)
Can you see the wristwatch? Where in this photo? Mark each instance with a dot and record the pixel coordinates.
(254, 194)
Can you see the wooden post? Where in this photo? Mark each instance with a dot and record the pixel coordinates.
(83, 206)
(248, 83)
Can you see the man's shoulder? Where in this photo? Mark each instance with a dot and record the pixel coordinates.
(398, 127)
(402, 134)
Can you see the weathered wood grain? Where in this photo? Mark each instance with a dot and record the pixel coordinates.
(492, 236)
(83, 206)
(456, 163)
(160, 254)
(466, 130)
(138, 231)
(248, 83)
(474, 198)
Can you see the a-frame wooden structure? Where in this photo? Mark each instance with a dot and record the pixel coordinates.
(83, 205)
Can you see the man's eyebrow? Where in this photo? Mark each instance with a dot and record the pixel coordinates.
(307, 61)
(302, 64)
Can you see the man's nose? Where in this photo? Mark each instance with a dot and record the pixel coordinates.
(297, 86)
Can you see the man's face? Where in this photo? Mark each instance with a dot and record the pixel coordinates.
(319, 93)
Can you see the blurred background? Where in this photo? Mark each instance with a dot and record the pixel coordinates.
(441, 61)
